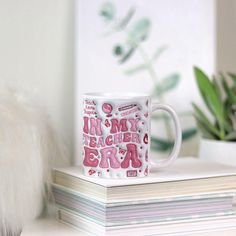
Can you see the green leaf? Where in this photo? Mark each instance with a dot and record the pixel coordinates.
(217, 87)
(233, 77)
(161, 144)
(188, 133)
(228, 90)
(167, 84)
(233, 118)
(204, 130)
(124, 22)
(231, 136)
(127, 55)
(139, 31)
(228, 103)
(158, 52)
(228, 107)
(107, 11)
(204, 120)
(202, 79)
(210, 98)
(118, 50)
(136, 69)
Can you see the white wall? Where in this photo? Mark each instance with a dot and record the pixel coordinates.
(226, 35)
(36, 54)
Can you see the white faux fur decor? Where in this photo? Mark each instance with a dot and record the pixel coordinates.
(29, 147)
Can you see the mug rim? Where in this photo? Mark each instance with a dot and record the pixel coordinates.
(115, 95)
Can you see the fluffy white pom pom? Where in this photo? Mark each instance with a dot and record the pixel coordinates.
(29, 147)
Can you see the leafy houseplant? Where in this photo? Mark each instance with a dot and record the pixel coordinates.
(218, 128)
(135, 33)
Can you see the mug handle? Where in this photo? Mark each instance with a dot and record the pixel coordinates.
(178, 135)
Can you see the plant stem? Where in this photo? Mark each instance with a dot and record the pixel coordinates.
(222, 134)
(154, 78)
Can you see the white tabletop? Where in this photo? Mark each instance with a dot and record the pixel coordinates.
(50, 227)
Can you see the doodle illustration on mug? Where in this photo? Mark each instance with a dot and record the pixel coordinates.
(115, 138)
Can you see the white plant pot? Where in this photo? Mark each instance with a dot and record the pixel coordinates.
(218, 151)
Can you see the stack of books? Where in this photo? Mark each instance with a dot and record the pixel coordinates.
(190, 196)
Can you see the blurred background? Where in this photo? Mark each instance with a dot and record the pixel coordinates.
(59, 49)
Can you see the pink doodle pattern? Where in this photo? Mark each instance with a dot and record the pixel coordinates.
(107, 108)
(115, 139)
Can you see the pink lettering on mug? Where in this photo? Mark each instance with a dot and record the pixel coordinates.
(131, 156)
(95, 126)
(85, 129)
(134, 123)
(117, 138)
(100, 142)
(109, 154)
(109, 140)
(92, 126)
(118, 126)
(92, 141)
(135, 138)
(86, 139)
(127, 137)
(89, 157)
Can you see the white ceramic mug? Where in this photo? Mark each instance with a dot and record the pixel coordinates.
(116, 135)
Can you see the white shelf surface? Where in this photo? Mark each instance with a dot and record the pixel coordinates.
(50, 227)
